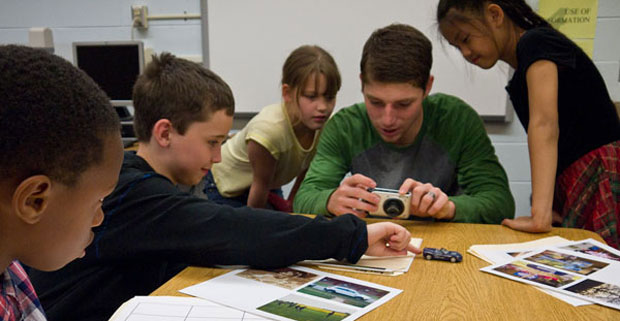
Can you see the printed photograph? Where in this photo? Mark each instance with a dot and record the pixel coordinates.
(536, 273)
(608, 293)
(567, 262)
(591, 249)
(344, 292)
(515, 254)
(304, 309)
(285, 278)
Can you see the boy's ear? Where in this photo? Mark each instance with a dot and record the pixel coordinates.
(287, 93)
(362, 82)
(161, 132)
(429, 85)
(31, 198)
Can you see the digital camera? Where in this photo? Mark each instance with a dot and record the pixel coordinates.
(392, 204)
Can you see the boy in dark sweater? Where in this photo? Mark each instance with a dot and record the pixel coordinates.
(60, 154)
(152, 230)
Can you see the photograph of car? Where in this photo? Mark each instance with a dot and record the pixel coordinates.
(341, 291)
(442, 254)
(537, 273)
(347, 292)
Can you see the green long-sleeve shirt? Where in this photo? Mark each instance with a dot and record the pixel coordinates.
(452, 151)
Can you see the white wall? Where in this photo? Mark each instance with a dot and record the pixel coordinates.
(90, 20)
(249, 43)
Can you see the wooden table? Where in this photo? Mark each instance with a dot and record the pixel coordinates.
(435, 290)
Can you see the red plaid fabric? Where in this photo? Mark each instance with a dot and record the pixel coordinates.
(18, 301)
(587, 193)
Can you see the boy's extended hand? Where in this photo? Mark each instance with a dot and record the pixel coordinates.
(352, 196)
(389, 239)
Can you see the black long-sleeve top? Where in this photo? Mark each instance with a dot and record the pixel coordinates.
(152, 230)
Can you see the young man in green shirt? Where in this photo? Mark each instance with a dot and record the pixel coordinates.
(434, 146)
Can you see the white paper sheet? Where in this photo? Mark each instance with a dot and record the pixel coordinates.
(499, 253)
(480, 249)
(586, 269)
(175, 308)
(383, 265)
(294, 293)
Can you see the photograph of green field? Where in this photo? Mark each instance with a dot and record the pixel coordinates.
(344, 292)
(303, 309)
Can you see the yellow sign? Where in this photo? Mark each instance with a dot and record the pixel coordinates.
(575, 18)
(587, 45)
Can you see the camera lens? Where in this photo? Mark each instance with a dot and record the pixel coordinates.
(393, 207)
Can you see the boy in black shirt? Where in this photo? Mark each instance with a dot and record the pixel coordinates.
(60, 154)
(152, 230)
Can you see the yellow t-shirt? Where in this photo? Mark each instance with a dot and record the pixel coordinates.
(272, 129)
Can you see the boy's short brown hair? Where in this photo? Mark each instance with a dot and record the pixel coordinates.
(397, 53)
(54, 119)
(180, 91)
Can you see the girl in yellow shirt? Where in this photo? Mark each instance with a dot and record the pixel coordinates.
(278, 144)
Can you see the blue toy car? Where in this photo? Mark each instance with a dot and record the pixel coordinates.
(442, 254)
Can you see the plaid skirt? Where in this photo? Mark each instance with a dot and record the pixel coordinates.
(587, 193)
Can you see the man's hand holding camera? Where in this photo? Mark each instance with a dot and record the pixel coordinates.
(352, 196)
(428, 200)
(358, 194)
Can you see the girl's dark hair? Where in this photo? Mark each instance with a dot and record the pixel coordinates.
(517, 10)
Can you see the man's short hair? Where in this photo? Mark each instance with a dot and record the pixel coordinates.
(54, 119)
(397, 53)
(180, 91)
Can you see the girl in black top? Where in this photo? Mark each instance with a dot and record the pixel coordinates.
(563, 103)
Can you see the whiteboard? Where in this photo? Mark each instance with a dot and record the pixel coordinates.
(249, 41)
